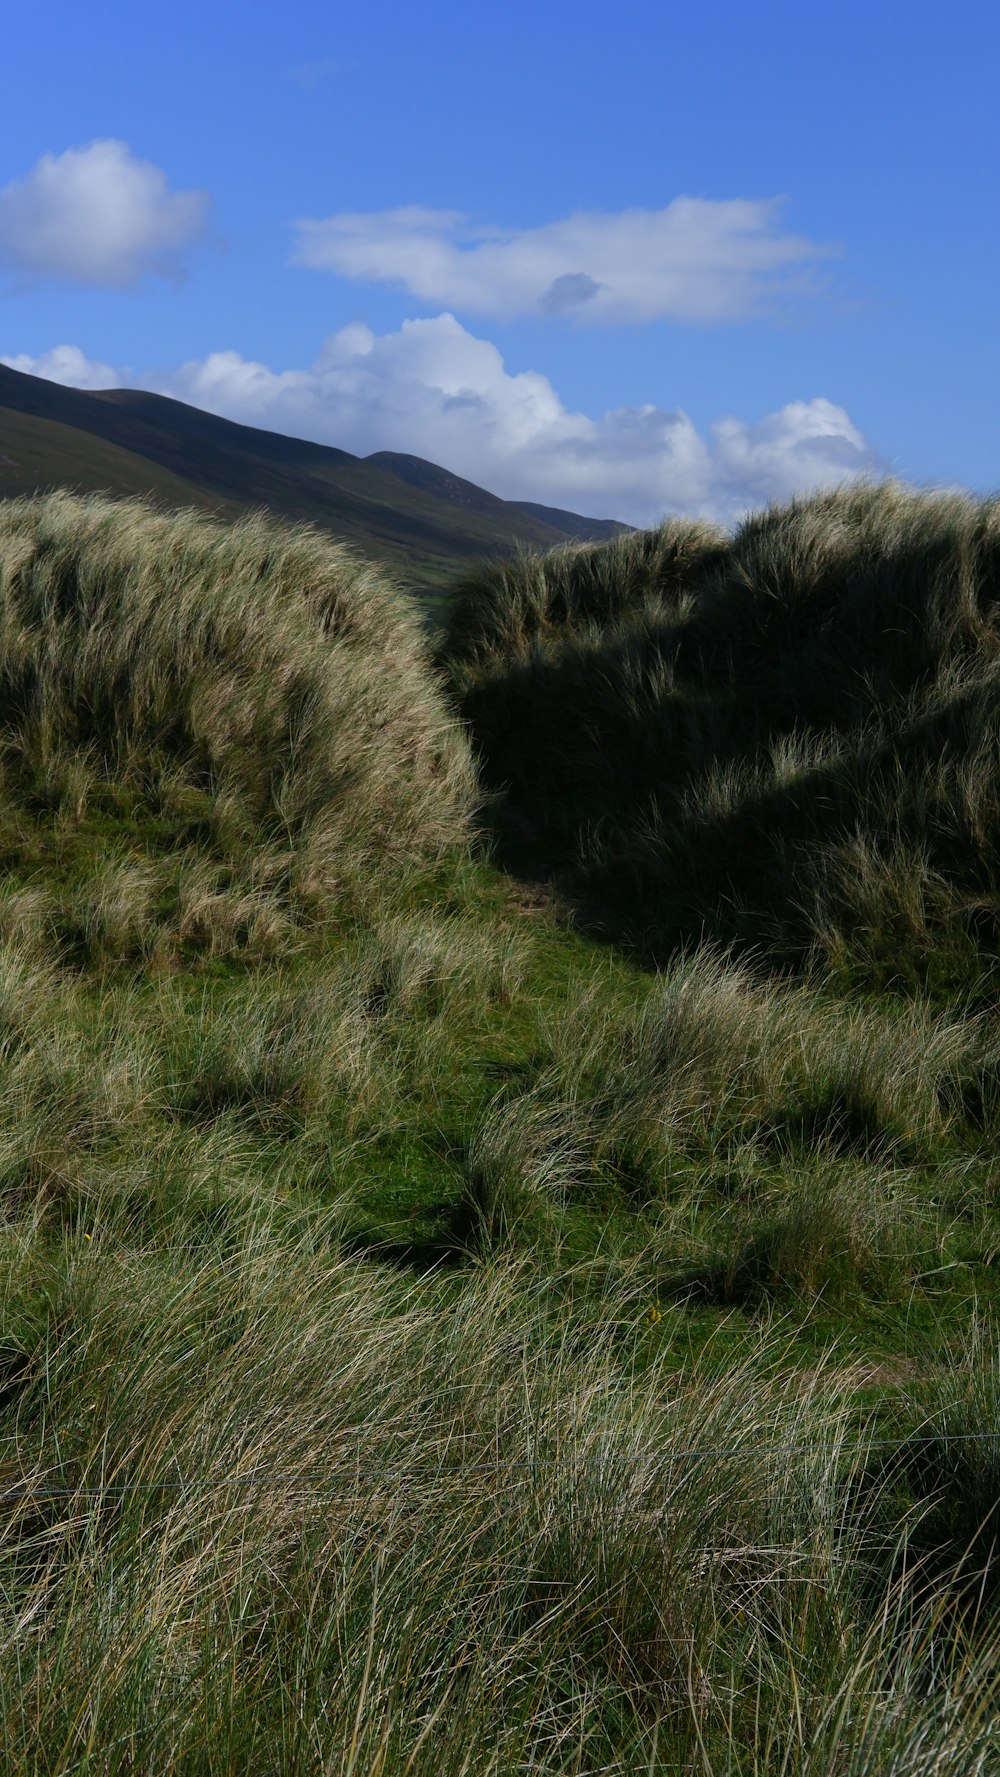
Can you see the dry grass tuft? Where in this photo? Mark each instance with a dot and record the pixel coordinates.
(263, 666)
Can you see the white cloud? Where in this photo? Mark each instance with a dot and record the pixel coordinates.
(697, 260)
(69, 366)
(97, 215)
(437, 391)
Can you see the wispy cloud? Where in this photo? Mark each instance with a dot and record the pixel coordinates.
(97, 215)
(697, 260)
(434, 389)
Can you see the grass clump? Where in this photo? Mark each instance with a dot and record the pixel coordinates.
(447, 1535)
(510, 607)
(261, 674)
(717, 1054)
(430, 1343)
(704, 757)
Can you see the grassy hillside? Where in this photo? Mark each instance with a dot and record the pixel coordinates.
(454, 488)
(125, 441)
(784, 740)
(40, 456)
(432, 1340)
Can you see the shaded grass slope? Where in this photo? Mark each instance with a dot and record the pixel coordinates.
(786, 739)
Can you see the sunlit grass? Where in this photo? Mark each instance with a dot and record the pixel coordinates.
(430, 1341)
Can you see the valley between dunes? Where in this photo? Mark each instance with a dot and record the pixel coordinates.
(498, 1159)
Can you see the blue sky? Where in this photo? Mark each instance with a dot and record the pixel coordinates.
(628, 259)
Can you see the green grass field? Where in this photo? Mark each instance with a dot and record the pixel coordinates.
(498, 1167)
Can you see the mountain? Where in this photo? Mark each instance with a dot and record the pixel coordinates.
(426, 523)
(584, 530)
(417, 472)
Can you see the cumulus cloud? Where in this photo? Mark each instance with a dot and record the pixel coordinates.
(97, 215)
(69, 366)
(697, 260)
(436, 390)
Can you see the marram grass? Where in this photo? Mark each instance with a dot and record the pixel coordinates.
(704, 752)
(430, 1343)
(266, 666)
(297, 1518)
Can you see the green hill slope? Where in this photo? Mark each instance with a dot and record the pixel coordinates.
(127, 441)
(419, 473)
(38, 455)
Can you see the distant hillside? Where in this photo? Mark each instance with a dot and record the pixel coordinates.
(417, 472)
(584, 530)
(126, 441)
(38, 455)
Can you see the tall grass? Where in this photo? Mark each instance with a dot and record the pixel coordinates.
(428, 1344)
(262, 1512)
(262, 666)
(507, 606)
(699, 759)
(778, 1144)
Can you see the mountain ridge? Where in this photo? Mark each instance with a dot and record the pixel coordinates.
(420, 472)
(426, 524)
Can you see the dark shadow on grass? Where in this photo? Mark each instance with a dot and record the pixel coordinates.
(837, 1124)
(445, 1249)
(606, 777)
(16, 1371)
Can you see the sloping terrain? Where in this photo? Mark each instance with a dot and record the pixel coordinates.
(41, 455)
(124, 441)
(419, 473)
(786, 739)
(432, 1340)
